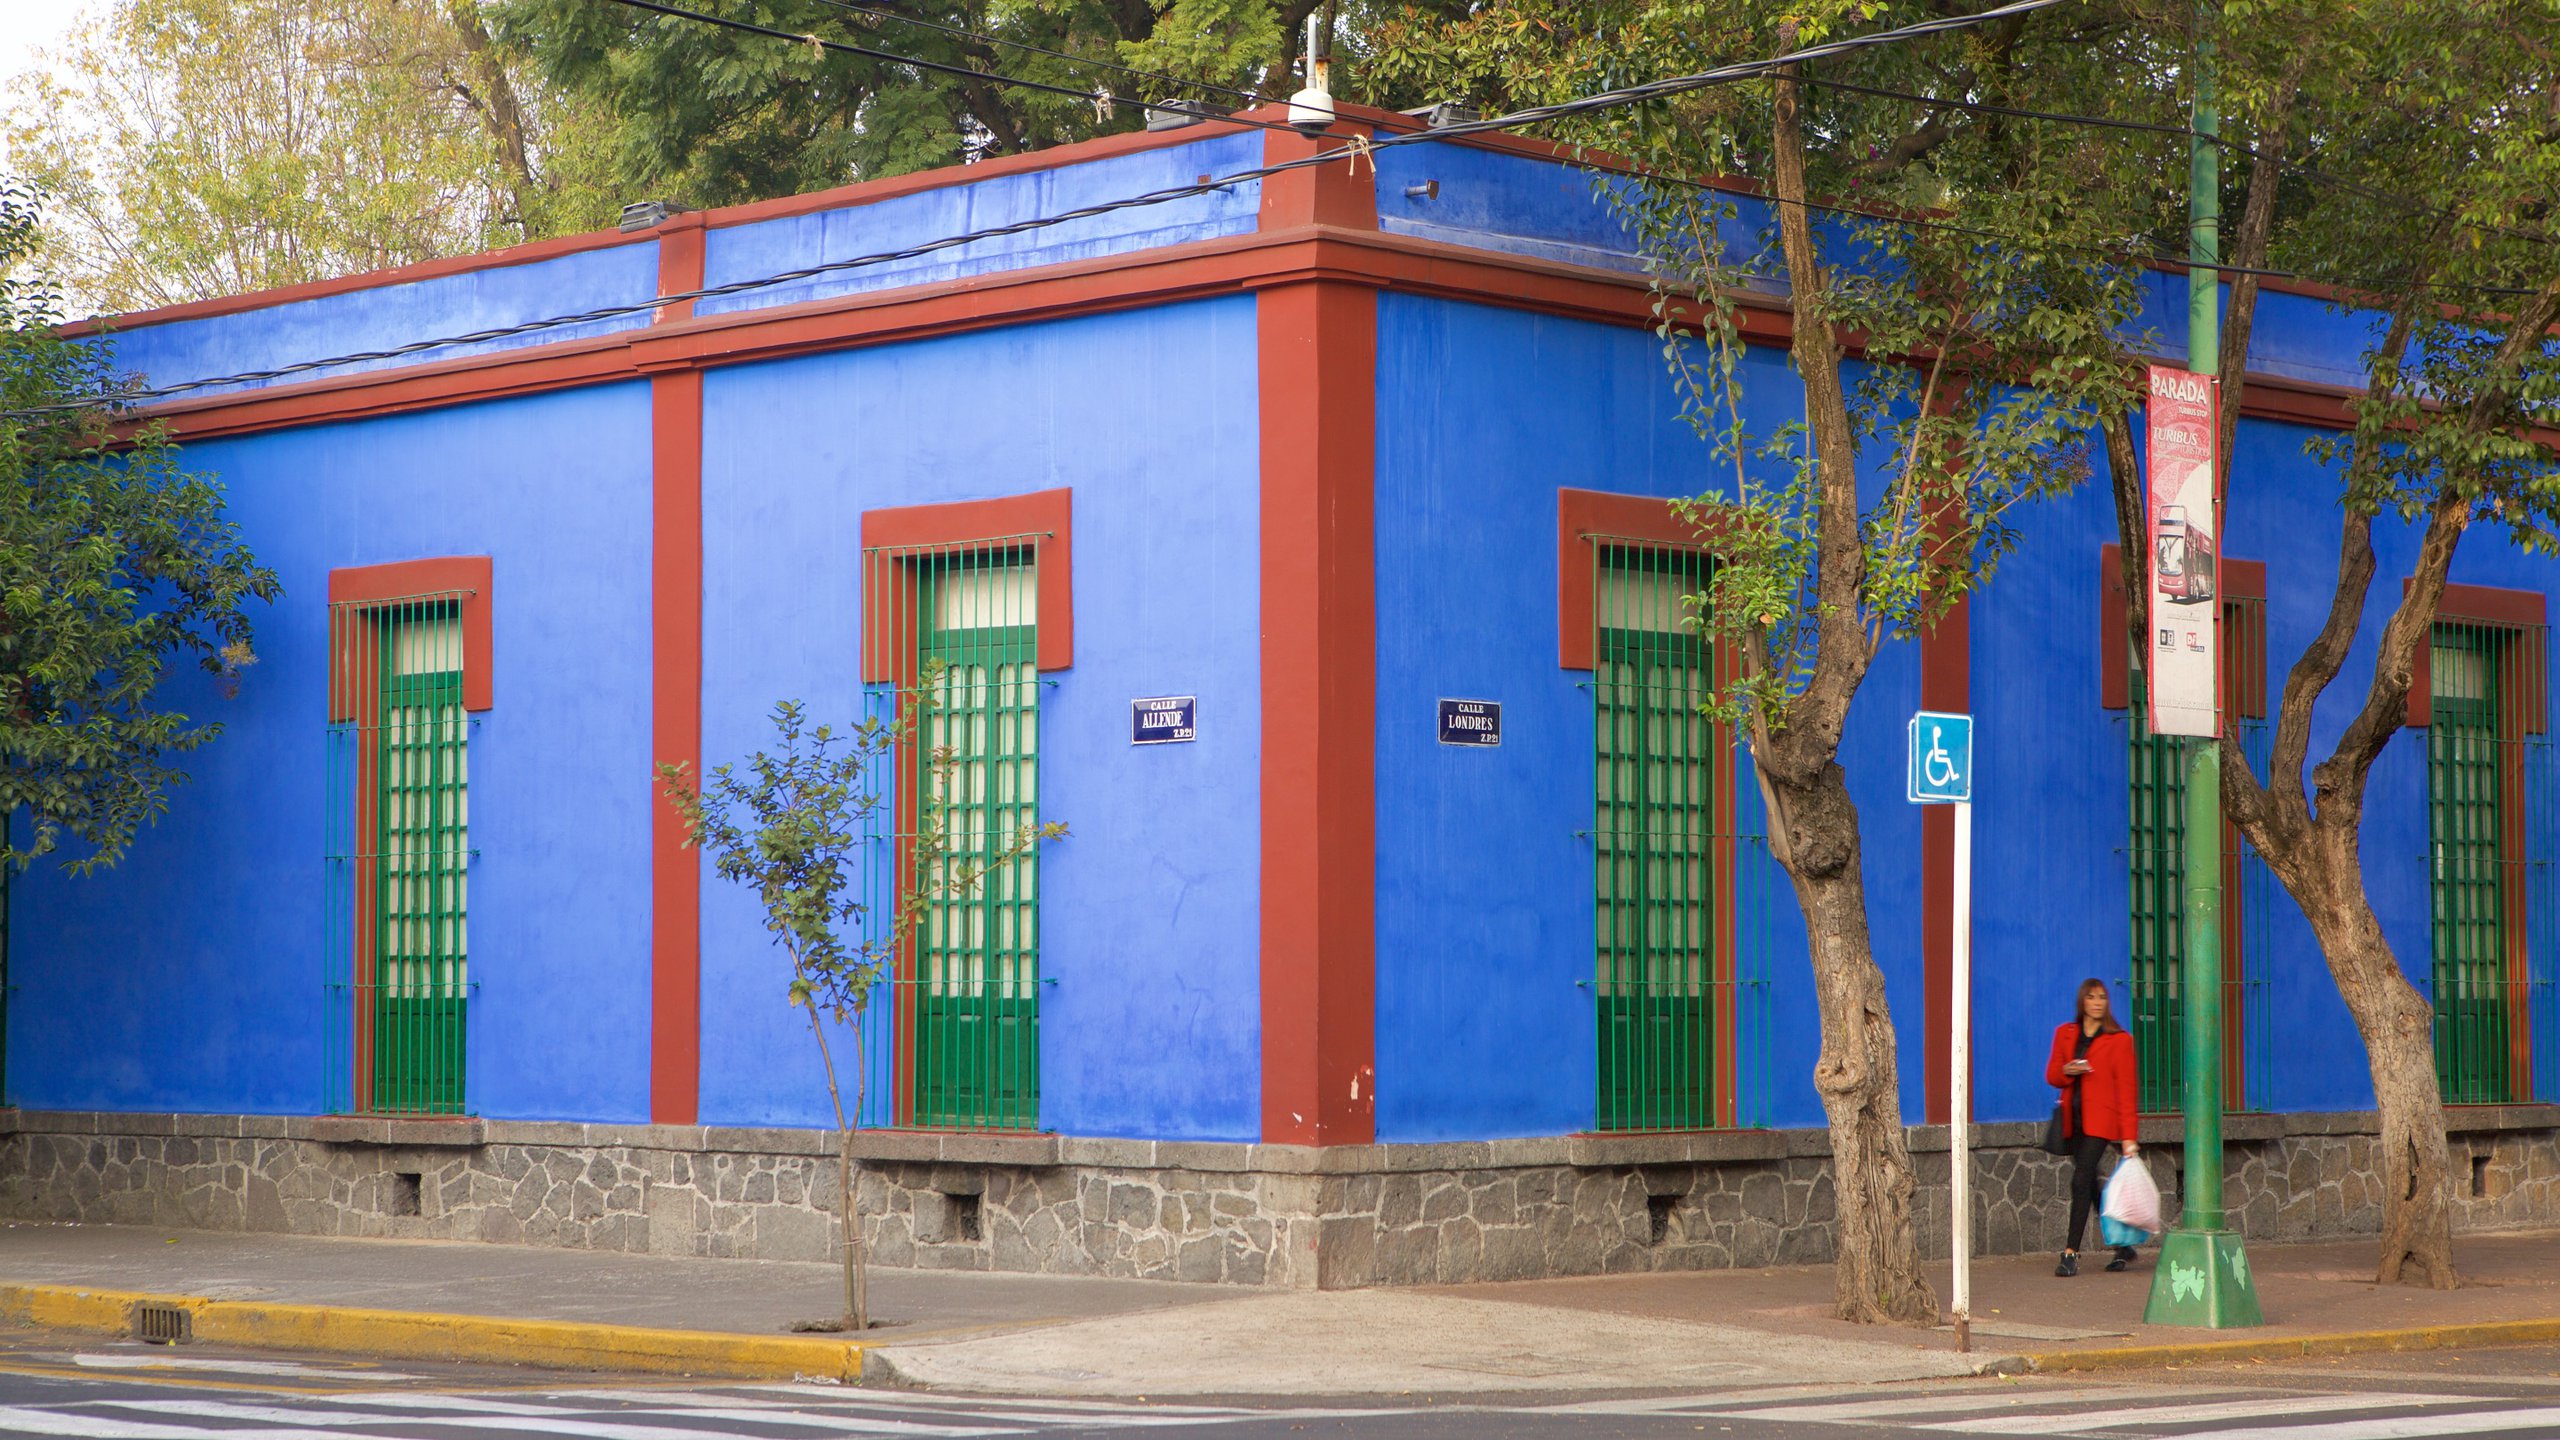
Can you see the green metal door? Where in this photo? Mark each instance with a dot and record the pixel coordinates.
(1655, 830)
(420, 958)
(2466, 830)
(977, 1051)
(2157, 875)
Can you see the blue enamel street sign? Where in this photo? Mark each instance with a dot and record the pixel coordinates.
(1163, 720)
(1941, 765)
(1470, 722)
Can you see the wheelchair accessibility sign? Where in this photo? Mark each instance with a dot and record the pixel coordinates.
(1941, 766)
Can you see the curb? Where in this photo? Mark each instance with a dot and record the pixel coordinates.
(2352, 1342)
(411, 1335)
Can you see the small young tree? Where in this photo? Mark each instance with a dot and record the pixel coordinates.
(792, 824)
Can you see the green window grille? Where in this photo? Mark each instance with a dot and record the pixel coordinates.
(2489, 843)
(961, 1044)
(400, 857)
(1658, 843)
(2156, 873)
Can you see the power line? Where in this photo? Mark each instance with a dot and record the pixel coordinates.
(1652, 90)
(1026, 46)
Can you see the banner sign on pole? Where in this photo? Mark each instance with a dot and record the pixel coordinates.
(2185, 507)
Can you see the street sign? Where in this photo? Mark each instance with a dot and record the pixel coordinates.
(1470, 722)
(1164, 720)
(1940, 772)
(2183, 665)
(1941, 759)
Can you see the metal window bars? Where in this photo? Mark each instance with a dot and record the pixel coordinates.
(2156, 875)
(397, 827)
(2491, 833)
(951, 660)
(1682, 873)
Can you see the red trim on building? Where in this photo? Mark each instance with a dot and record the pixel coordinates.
(1199, 269)
(975, 525)
(363, 585)
(1318, 346)
(675, 699)
(2496, 608)
(1582, 515)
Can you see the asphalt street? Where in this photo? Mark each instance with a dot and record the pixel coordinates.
(63, 1386)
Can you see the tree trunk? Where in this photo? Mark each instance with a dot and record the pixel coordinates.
(1876, 1274)
(2398, 1027)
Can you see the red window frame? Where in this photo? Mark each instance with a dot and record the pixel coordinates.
(1586, 521)
(2522, 675)
(891, 538)
(355, 695)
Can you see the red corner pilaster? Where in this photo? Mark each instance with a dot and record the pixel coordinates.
(1946, 684)
(1318, 351)
(675, 704)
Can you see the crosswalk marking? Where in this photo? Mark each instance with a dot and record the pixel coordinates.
(2404, 1427)
(554, 1422)
(2188, 1414)
(165, 1361)
(21, 1420)
(1918, 1405)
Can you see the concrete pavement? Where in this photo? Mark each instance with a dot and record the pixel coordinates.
(1064, 1336)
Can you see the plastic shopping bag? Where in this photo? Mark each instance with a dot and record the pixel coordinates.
(2130, 1213)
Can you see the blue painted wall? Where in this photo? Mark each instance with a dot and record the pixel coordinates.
(1150, 912)
(381, 317)
(190, 977)
(1486, 915)
(769, 247)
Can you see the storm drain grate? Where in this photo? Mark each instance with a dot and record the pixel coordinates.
(161, 1324)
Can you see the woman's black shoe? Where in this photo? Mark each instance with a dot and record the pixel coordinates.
(2070, 1264)
(2124, 1257)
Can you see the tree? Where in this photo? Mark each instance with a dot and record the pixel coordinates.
(193, 148)
(712, 115)
(117, 564)
(2450, 103)
(1952, 305)
(792, 825)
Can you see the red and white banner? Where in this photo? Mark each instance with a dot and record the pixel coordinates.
(2185, 509)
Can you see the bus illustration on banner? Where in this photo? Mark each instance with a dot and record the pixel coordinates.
(2183, 554)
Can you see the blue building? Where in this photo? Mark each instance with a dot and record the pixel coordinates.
(1300, 545)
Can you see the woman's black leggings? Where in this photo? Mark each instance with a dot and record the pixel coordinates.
(2085, 1153)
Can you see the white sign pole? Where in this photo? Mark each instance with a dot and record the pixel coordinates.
(1960, 1082)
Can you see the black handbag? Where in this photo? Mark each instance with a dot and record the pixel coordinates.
(2057, 1134)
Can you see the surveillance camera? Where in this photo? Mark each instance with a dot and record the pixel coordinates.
(1311, 111)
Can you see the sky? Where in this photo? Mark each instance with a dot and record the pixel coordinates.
(26, 25)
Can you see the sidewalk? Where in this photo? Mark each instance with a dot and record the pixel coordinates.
(1066, 1336)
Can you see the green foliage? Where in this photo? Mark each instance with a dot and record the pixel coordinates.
(2449, 104)
(194, 148)
(116, 564)
(1979, 264)
(713, 116)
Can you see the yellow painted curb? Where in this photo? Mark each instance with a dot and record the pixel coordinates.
(2429, 1337)
(414, 1336)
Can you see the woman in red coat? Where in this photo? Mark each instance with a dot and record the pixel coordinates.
(2093, 1065)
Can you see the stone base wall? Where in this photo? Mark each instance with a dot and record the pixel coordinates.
(1233, 1214)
